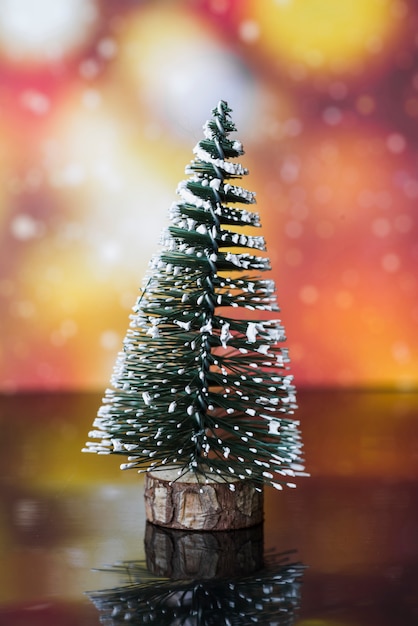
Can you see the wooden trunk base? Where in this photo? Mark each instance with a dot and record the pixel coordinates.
(187, 505)
(183, 555)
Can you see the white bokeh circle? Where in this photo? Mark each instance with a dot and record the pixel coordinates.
(44, 30)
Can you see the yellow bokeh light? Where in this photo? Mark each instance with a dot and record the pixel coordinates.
(324, 35)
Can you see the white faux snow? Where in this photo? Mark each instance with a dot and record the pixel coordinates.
(146, 398)
(225, 334)
(215, 183)
(234, 169)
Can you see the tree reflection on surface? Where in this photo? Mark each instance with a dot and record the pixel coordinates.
(270, 595)
(354, 522)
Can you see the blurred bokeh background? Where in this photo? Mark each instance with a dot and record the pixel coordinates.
(101, 103)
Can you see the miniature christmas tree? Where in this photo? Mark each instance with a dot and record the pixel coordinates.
(199, 386)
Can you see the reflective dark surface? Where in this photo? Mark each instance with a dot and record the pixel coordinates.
(353, 524)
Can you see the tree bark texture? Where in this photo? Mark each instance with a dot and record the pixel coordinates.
(186, 504)
(182, 555)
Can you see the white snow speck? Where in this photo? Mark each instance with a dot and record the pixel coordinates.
(146, 398)
(252, 332)
(225, 334)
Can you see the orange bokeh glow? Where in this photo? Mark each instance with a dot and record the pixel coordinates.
(321, 36)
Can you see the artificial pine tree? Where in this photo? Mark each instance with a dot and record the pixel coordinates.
(202, 384)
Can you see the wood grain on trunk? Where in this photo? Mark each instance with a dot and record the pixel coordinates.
(186, 504)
